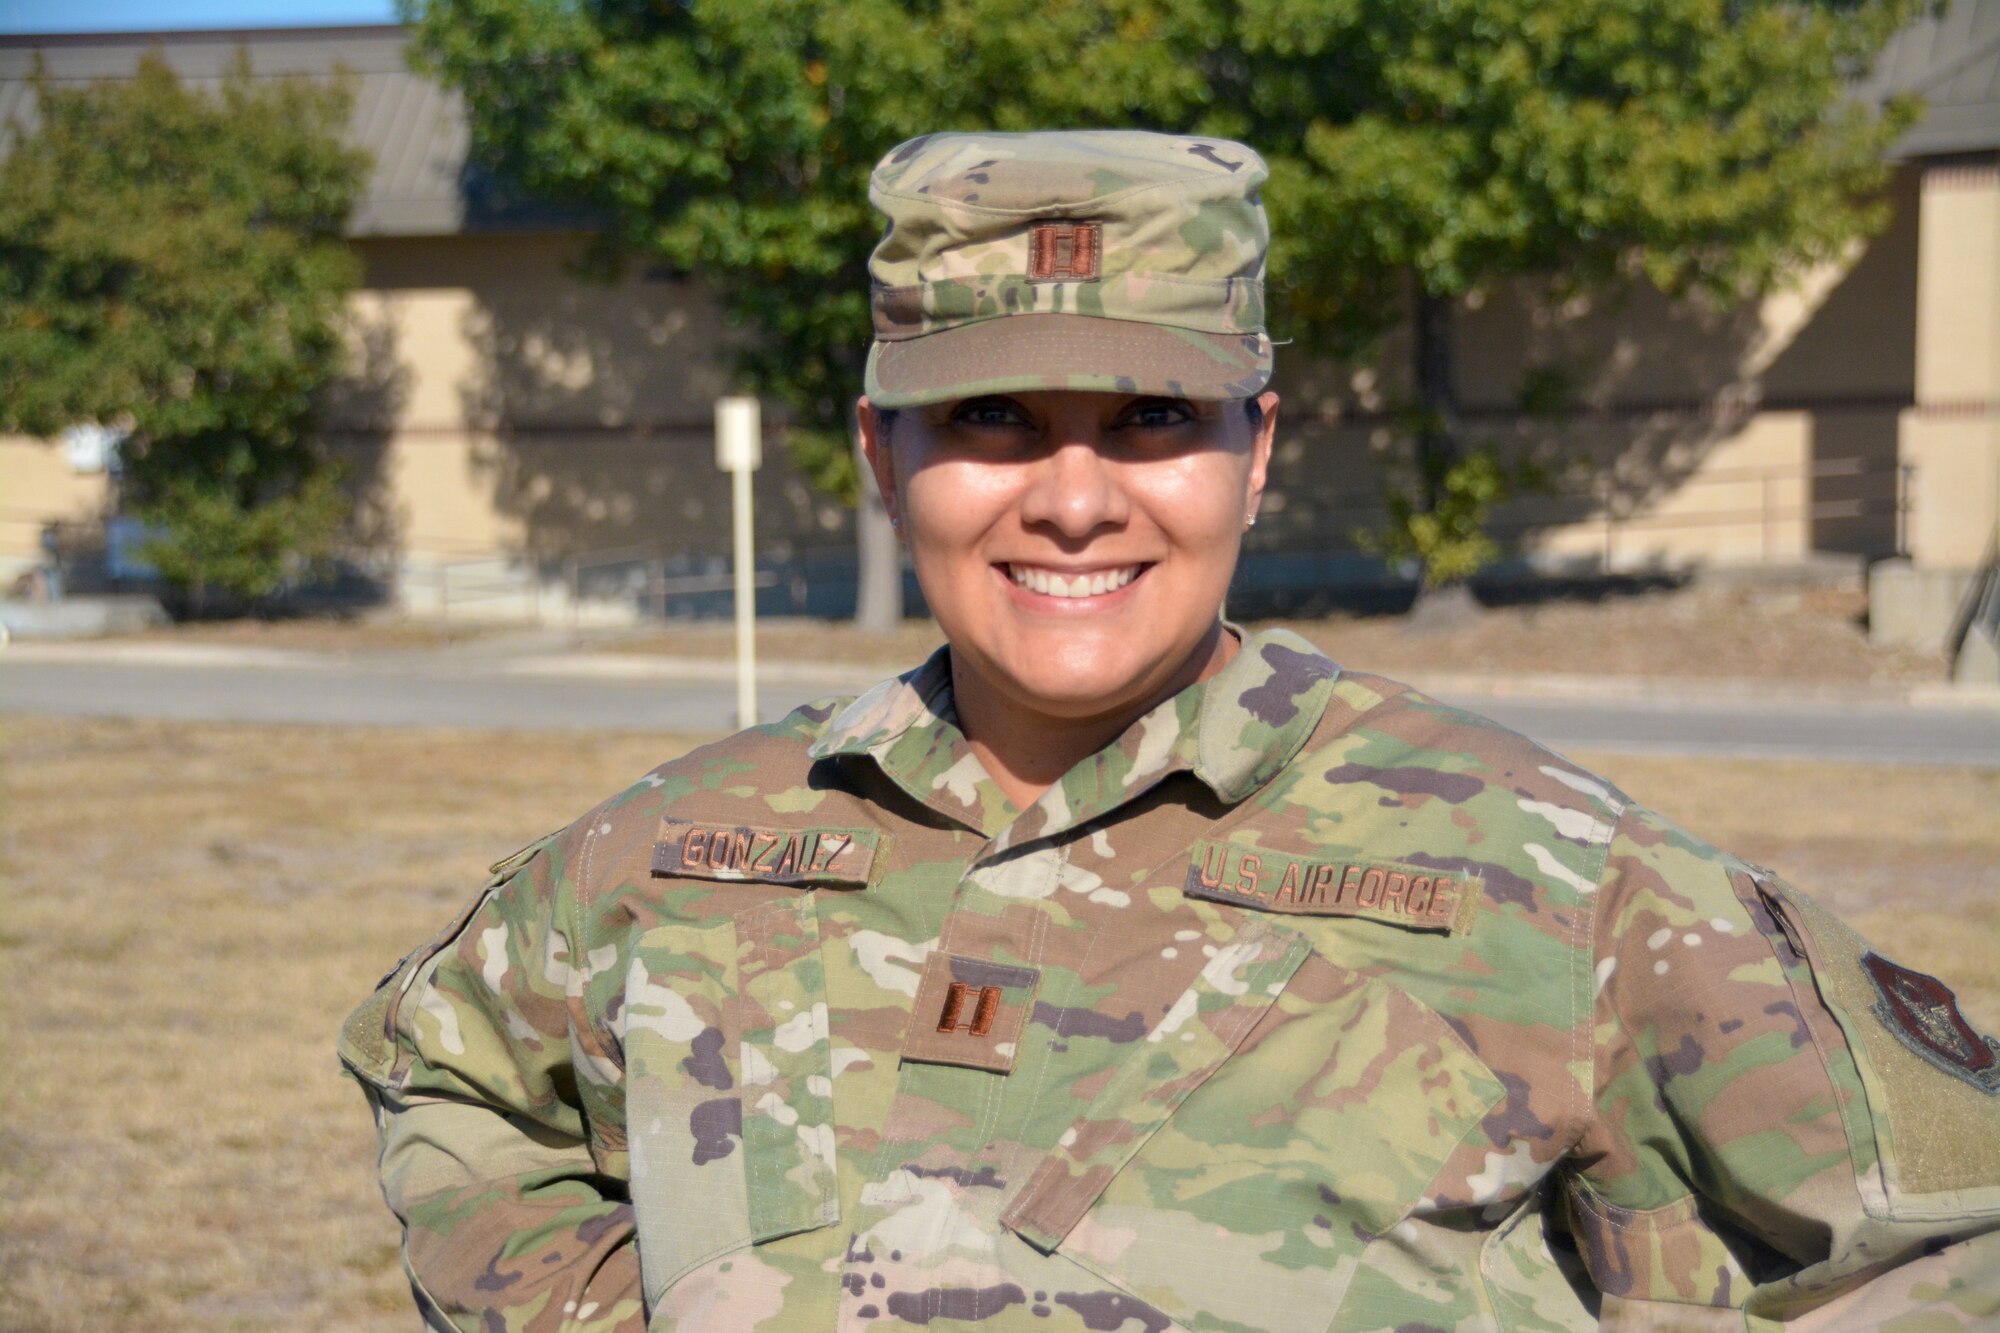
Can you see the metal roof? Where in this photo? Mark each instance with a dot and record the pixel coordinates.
(422, 184)
(1952, 61)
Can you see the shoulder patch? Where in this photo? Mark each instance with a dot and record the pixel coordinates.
(1413, 897)
(746, 853)
(1924, 1015)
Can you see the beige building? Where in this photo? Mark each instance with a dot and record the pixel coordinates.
(513, 427)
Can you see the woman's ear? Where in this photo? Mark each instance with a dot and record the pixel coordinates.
(1262, 436)
(873, 426)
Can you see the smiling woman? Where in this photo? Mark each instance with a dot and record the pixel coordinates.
(1115, 969)
(1075, 548)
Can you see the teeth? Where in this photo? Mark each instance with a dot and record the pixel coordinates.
(1072, 585)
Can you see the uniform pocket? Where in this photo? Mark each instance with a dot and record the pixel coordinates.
(729, 1087)
(1320, 1128)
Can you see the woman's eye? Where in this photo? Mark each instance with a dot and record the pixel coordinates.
(1158, 413)
(987, 412)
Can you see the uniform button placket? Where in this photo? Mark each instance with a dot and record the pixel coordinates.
(911, 1229)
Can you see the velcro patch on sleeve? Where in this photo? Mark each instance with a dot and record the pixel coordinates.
(1924, 1015)
(1413, 897)
(766, 855)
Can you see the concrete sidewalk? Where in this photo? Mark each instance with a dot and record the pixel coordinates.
(526, 684)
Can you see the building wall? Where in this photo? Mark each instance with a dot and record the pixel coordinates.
(1951, 435)
(1677, 433)
(506, 405)
(503, 408)
(37, 487)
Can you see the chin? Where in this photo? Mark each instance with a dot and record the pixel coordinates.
(1082, 682)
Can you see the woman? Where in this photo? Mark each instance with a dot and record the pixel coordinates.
(1112, 970)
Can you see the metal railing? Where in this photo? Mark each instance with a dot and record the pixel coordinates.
(655, 585)
(1771, 512)
(1609, 509)
(474, 579)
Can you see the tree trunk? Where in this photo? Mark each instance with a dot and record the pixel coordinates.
(1437, 440)
(878, 602)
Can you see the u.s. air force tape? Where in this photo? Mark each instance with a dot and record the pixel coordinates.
(765, 855)
(1413, 897)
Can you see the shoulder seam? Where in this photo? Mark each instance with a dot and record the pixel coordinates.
(579, 942)
(1583, 987)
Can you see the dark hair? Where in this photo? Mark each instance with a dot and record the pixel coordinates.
(1253, 410)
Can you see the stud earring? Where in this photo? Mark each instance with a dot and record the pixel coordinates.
(1249, 521)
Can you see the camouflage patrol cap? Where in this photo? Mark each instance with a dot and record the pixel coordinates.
(1109, 260)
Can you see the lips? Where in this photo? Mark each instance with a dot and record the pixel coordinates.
(1074, 583)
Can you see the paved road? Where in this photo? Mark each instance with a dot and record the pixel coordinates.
(1898, 734)
(426, 691)
(382, 698)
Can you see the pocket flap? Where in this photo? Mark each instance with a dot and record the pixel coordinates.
(1200, 1029)
(1334, 1120)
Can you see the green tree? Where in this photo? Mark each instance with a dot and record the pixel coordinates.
(734, 140)
(1421, 149)
(1425, 152)
(172, 263)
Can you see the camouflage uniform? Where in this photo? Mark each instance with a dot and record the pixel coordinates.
(1306, 1004)
(1309, 1003)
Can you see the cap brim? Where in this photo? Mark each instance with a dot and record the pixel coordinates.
(1017, 353)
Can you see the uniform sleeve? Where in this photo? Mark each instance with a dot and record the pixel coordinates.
(501, 1151)
(1787, 1129)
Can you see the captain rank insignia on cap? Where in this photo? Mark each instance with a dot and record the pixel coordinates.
(1064, 251)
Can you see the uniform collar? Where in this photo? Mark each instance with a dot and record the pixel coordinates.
(1234, 732)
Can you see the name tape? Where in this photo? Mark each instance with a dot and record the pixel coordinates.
(765, 855)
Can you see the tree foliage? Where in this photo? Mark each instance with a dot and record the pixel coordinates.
(1423, 153)
(1447, 540)
(172, 262)
(734, 140)
(1447, 145)
(1421, 149)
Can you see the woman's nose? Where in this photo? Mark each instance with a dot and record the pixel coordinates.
(1075, 490)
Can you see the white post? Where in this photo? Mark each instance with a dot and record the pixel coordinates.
(739, 450)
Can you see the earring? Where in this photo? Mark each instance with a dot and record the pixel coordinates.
(1249, 521)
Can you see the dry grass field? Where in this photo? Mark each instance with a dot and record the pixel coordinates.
(189, 910)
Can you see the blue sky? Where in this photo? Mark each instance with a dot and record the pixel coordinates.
(23, 16)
